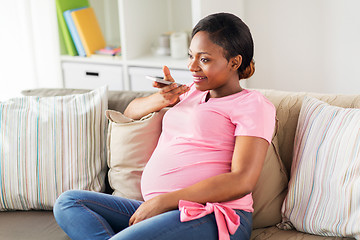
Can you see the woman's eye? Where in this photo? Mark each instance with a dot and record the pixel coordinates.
(190, 56)
(204, 60)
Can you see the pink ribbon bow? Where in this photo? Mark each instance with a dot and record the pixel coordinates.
(226, 218)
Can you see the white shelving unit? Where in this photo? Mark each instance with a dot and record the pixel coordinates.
(135, 25)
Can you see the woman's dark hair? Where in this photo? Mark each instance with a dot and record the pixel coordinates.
(233, 35)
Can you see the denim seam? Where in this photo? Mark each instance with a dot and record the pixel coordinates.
(243, 216)
(104, 206)
(182, 229)
(245, 230)
(101, 222)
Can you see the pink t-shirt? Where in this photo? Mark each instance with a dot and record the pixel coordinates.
(198, 139)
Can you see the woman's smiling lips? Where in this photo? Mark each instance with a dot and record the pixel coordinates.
(198, 79)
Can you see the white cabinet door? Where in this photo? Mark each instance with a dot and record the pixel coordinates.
(90, 76)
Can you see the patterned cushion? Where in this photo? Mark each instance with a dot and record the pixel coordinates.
(49, 145)
(324, 189)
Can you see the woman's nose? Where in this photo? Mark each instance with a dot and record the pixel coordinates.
(193, 66)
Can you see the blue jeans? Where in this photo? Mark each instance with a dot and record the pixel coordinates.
(90, 215)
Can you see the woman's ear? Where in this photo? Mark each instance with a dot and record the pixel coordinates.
(236, 62)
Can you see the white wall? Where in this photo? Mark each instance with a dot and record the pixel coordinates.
(306, 45)
(29, 47)
(202, 8)
(300, 45)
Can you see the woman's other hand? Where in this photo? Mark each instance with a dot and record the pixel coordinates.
(148, 209)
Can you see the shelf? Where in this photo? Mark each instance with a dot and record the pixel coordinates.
(136, 25)
(144, 61)
(143, 21)
(159, 62)
(117, 60)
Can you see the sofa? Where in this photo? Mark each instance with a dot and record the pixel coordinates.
(40, 224)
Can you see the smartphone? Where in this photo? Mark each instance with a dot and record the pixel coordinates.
(161, 80)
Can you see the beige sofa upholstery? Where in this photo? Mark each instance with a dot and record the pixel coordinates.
(288, 106)
(41, 224)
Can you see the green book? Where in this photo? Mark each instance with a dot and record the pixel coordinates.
(65, 37)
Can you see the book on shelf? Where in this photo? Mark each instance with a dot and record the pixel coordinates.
(61, 7)
(89, 30)
(73, 32)
(109, 51)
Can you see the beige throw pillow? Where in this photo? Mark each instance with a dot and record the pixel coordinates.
(130, 144)
(270, 190)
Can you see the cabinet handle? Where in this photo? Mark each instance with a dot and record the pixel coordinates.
(93, 74)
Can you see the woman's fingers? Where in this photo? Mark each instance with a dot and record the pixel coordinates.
(167, 75)
(174, 89)
(171, 92)
(169, 88)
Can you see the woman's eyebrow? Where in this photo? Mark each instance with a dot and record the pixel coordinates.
(200, 52)
(204, 53)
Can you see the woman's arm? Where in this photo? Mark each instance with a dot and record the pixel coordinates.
(248, 159)
(167, 96)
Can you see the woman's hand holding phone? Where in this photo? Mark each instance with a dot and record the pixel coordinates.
(161, 80)
(169, 90)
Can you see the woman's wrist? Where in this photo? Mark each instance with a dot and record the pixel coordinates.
(168, 201)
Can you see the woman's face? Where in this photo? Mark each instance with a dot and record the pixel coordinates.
(210, 69)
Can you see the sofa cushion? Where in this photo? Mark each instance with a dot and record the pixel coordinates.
(324, 189)
(274, 233)
(30, 225)
(50, 145)
(270, 190)
(288, 106)
(130, 144)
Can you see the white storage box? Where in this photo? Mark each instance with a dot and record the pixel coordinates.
(90, 76)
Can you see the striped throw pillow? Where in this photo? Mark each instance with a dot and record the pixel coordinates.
(49, 145)
(324, 189)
